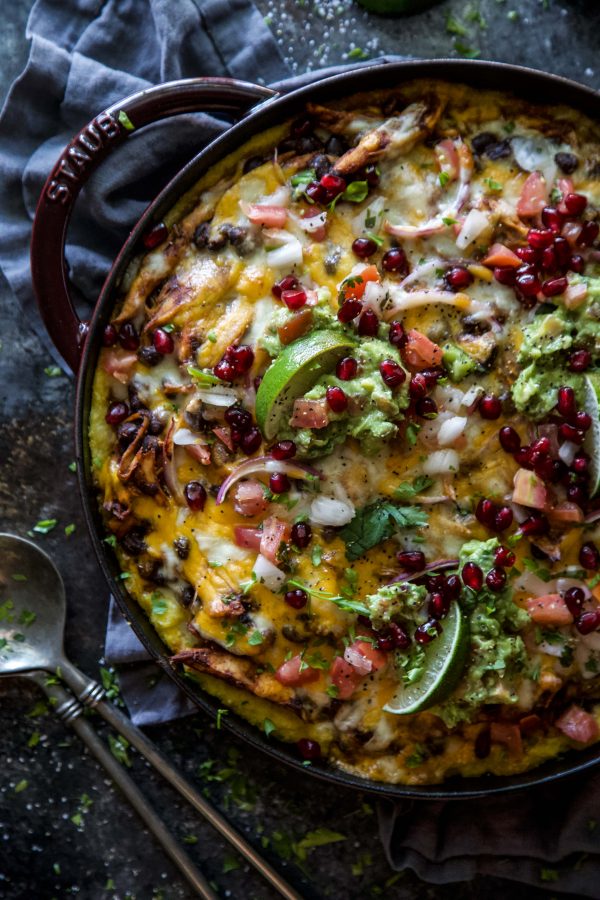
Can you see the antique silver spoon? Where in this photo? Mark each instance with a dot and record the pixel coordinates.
(32, 584)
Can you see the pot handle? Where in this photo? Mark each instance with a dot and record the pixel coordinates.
(81, 157)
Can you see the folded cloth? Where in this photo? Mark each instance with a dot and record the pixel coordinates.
(85, 55)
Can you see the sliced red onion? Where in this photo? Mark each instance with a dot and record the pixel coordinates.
(170, 466)
(428, 268)
(591, 517)
(267, 465)
(268, 574)
(440, 565)
(474, 225)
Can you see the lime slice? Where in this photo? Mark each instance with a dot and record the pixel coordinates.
(445, 659)
(591, 445)
(295, 371)
(397, 7)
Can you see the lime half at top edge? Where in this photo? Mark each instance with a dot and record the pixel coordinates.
(591, 444)
(295, 371)
(445, 659)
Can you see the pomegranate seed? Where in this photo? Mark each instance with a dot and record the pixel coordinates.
(582, 420)
(588, 622)
(224, 370)
(308, 749)
(536, 524)
(155, 236)
(436, 583)
(372, 175)
(241, 356)
(580, 464)
(432, 376)
(397, 335)
(562, 251)
(426, 408)
(539, 238)
(527, 270)
(395, 260)
(580, 360)
(411, 560)
(294, 299)
(128, 337)
(117, 412)
(503, 519)
(297, 598)
(453, 587)
(279, 483)
(527, 254)
(336, 399)
(566, 402)
(495, 579)
(417, 386)
(333, 184)
(301, 534)
(490, 407)
(544, 467)
(509, 439)
(588, 235)
(438, 606)
(195, 495)
(472, 576)
(569, 433)
(575, 203)
(577, 263)
(551, 218)
(392, 373)
(549, 261)
(485, 512)
(238, 418)
(347, 368)
(529, 285)
(426, 633)
(109, 336)
(368, 324)
(399, 636)
(576, 494)
(523, 457)
(349, 310)
(163, 342)
(315, 192)
(251, 441)
(589, 556)
(504, 557)
(289, 283)
(505, 275)
(541, 445)
(574, 598)
(282, 450)
(554, 286)
(385, 642)
(458, 277)
(364, 247)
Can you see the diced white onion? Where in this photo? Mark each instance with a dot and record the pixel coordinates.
(535, 154)
(567, 452)
(268, 574)
(280, 197)
(312, 223)
(374, 295)
(475, 224)
(289, 254)
(532, 585)
(183, 437)
(472, 396)
(373, 211)
(451, 429)
(327, 511)
(552, 649)
(217, 396)
(441, 461)
(448, 397)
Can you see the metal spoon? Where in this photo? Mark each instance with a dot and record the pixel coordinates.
(31, 580)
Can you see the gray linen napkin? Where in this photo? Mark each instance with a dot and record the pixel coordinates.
(86, 54)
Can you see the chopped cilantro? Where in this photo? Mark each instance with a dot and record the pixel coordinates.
(256, 638)
(111, 540)
(317, 838)
(21, 785)
(203, 377)
(358, 53)
(52, 371)
(454, 26)
(230, 864)
(189, 839)
(159, 604)
(447, 220)
(69, 529)
(316, 554)
(444, 178)
(466, 51)
(125, 121)
(269, 727)
(34, 739)
(18, 577)
(332, 691)
(540, 571)
(376, 523)
(45, 525)
(356, 192)
(493, 185)
(27, 618)
(118, 747)
(406, 491)
(340, 601)
(212, 337)
(548, 874)
(220, 714)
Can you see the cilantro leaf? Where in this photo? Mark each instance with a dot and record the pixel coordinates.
(406, 491)
(376, 523)
(317, 838)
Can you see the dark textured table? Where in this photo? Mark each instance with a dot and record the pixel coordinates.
(64, 831)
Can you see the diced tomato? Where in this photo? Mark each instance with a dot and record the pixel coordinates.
(295, 327)
(509, 735)
(249, 498)
(354, 286)
(447, 158)
(309, 414)
(364, 657)
(529, 490)
(530, 724)
(565, 186)
(223, 432)
(499, 255)
(419, 352)
(293, 672)
(199, 452)
(578, 725)
(345, 677)
(550, 609)
(119, 364)
(269, 216)
(565, 512)
(534, 196)
(247, 537)
(275, 532)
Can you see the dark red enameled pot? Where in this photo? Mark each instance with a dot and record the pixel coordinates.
(79, 342)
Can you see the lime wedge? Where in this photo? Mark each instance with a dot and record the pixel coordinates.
(445, 659)
(295, 371)
(591, 445)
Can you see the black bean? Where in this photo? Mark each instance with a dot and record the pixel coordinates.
(498, 150)
(566, 162)
(483, 140)
(149, 356)
(126, 432)
(234, 234)
(133, 543)
(182, 547)
(135, 404)
(308, 144)
(155, 426)
(320, 164)
(335, 146)
(202, 235)
(187, 594)
(483, 743)
(217, 242)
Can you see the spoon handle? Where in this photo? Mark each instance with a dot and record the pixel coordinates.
(69, 709)
(91, 693)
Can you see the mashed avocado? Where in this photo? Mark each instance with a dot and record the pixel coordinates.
(396, 603)
(548, 342)
(497, 655)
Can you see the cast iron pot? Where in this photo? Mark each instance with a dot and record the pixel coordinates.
(80, 342)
